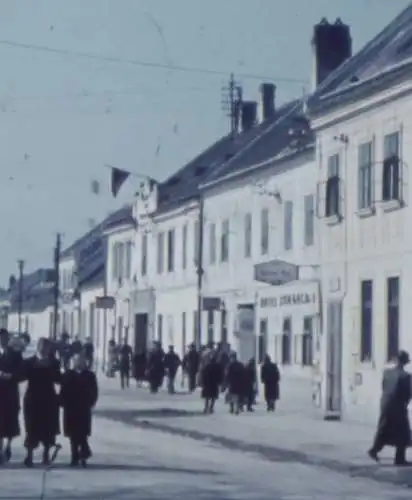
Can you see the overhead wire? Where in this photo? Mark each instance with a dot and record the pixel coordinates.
(147, 64)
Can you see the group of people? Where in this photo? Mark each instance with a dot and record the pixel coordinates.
(214, 368)
(42, 400)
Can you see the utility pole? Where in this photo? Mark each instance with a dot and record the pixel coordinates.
(231, 103)
(57, 251)
(20, 296)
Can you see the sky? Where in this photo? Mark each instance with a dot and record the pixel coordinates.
(136, 84)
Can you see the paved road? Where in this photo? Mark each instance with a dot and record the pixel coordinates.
(131, 463)
(135, 463)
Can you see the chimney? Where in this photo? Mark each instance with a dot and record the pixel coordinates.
(267, 92)
(249, 114)
(332, 45)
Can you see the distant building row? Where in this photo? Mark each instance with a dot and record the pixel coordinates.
(289, 236)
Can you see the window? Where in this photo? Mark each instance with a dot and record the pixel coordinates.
(210, 325)
(224, 242)
(144, 255)
(262, 341)
(160, 328)
(288, 225)
(115, 261)
(184, 246)
(223, 326)
(121, 257)
(307, 341)
(160, 252)
(286, 341)
(264, 231)
(170, 250)
(392, 326)
(196, 332)
(248, 235)
(196, 235)
(333, 187)
(128, 259)
(212, 243)
(309, 207)
(366, 324)
(391, 168)
(365, 189)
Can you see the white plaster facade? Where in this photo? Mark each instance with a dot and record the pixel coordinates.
(69, 319)
(120, 282)
(166, 270)
(92, 320)
(254, 207)
(37, 324)
(370, 243)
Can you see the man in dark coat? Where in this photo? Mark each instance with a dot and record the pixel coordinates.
(88, 349)
(270, 378)
(235, 383)
(65, 351)
(250, 384)
(393, 426)
(171, 363)
(78, 396)
(139, 366)
(40, 402)
(155, 368)
(125, 363)
(76, 346)
(211, 380)
(191, 362)
(10, 364)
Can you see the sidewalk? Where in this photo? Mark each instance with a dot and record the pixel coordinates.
(294, 432)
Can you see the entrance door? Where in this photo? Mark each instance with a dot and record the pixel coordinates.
(246, 341)
(141, 331)
(334, 358)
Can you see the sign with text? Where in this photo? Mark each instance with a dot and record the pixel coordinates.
(291, 299)
(276, 272)
(105, 302)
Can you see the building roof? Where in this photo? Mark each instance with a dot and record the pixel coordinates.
(385, 57)
(123, 216)
(37, 291)
(230, 154)
(270, 139)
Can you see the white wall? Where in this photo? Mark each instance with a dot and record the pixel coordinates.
(92, 321)
(175, 287)
(36, 324)
(367, 246)
(233, 281)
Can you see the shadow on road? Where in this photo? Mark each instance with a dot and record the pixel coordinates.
(380, 473)
(131, 415)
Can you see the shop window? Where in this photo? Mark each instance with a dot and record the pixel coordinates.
(307, 341)
(262, 339)
(287, 341)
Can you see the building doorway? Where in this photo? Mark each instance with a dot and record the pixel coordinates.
(245, 332)
(334, 360)
(141, 331)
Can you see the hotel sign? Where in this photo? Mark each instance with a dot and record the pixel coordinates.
(276, 272)
(291, 299)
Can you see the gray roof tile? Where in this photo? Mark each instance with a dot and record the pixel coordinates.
(388, 50)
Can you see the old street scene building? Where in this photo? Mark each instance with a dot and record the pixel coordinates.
(119, 232)
(260, 284)
(363, 121)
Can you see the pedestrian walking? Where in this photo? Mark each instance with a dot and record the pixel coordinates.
(235, 383)
(270, 378)
(190, 366)
(393, 425)
(40, 402)
(211, 381)
(125, 362)
(78, 396)
(250, 385)
(10, 365)
(171, 364)
(139, 366)
(155, 368)
(88, 349)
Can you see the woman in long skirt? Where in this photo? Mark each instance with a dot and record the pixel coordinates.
(41, 403)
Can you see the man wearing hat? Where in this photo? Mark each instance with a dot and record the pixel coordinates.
(393, 425)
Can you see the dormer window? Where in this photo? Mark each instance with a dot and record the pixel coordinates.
(391, 170)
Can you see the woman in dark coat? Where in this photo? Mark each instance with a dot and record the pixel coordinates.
(139, 366)
(78, 396)
(235, 383)
(10, 364)
(270, 378)
(40, 402)
(250, 384)
(211, 379)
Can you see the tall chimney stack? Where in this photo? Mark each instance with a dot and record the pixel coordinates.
(332, 45)
(267, 92)
(249, 115)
